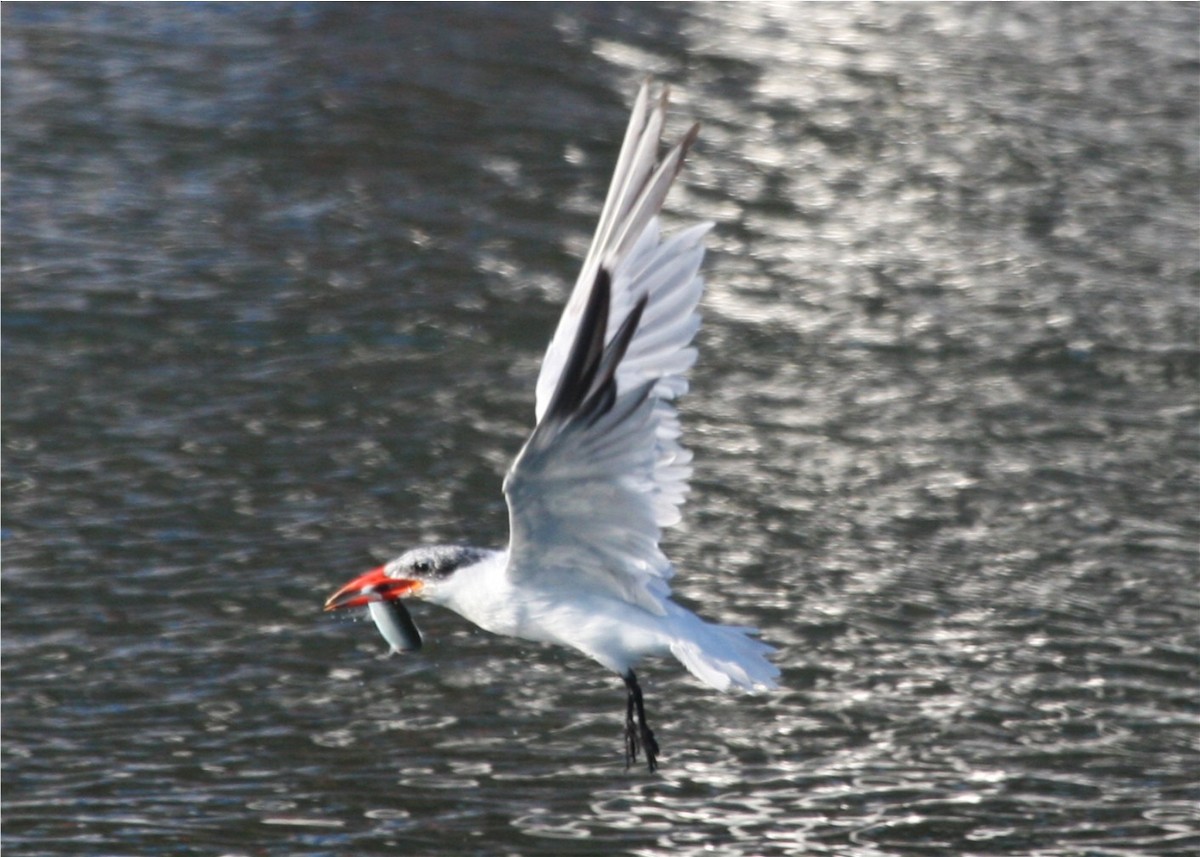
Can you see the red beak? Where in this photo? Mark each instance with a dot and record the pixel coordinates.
(372, 586)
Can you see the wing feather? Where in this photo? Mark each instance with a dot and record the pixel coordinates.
(627, 232)
(603, 471)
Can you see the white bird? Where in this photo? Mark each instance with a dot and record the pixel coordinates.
(603, 471)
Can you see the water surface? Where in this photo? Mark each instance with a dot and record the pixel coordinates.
(277, 280)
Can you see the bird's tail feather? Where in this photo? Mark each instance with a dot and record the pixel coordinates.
(725, 656)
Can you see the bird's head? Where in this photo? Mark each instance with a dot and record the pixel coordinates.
(415, 573)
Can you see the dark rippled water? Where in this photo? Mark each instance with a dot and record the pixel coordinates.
(276, 281)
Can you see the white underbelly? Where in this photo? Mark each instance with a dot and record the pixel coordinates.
(611, 631)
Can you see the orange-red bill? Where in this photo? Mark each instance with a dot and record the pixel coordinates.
(372, 586)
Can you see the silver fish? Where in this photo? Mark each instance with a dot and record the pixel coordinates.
(397, 627)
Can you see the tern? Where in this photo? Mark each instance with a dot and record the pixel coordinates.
(603, 471)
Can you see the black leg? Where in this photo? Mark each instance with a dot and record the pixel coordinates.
(642, 736)
(631, 736)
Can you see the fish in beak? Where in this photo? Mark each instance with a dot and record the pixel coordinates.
(381, 595)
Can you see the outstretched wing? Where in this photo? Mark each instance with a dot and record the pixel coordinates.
(603, 471)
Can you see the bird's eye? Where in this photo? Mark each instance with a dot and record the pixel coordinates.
(423, 566)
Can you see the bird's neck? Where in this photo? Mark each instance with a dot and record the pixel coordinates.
(478, 591)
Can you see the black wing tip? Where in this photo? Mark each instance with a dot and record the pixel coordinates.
(684, 143)
(605, 393)
(579, 372)
(687, 140)
(587, 388)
